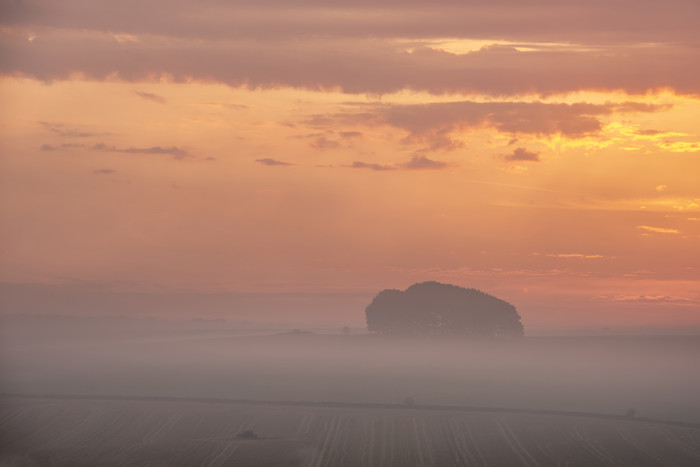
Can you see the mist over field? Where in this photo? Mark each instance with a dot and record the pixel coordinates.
(115, 391)
(657, 376)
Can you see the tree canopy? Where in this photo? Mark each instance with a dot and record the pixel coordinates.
(432, 308)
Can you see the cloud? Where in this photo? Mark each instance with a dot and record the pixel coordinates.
(577, 256)
(544, 20)
(149, 96)
(652, 299)
(49, 147)
(465, 271)
(649, 132)
(658, 229)
(366, 59)
(174, 151)
(572, 120)
(371, 166)
(680, 146)
(271, 162)
(417, 162)
(324, 143)
(660, 188)
(522, 154)
(423, 163)
(227, 105)
(350, 134)
(68, 131)
(104, 171)
(435, 124)
(125, 38)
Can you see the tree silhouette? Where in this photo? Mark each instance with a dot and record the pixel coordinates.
(432, 308)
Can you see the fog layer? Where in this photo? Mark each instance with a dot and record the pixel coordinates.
(658, 377)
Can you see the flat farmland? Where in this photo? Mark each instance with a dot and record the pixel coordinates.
(130, 432)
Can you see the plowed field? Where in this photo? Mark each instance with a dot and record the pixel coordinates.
(102, 432)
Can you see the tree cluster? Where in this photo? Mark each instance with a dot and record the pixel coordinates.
(432, 308)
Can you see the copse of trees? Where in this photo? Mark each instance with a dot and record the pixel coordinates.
(432, 308)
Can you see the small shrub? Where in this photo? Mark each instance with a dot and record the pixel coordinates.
(247, 434)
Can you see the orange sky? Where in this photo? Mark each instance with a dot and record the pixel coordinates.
(546, 152)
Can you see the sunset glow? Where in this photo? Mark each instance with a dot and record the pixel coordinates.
(547, 154)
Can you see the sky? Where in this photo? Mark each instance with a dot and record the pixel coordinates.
(544, 151)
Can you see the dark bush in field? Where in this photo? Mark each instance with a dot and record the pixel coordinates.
(247, 434)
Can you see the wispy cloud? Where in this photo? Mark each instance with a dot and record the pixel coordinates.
(271, 162)
(350, 134)
(423, 163)
(104, 171)
(574, 256)
(64, 130)
(417, 162)
(174, 151)
(149, 96)
(465, 271)
(662, 230)
(680, 146)
(227, 105)
(324, 143)
(652, 299)
(49, 147)
(125, 38)
(648, 132)
(371, 166)
(522, 154)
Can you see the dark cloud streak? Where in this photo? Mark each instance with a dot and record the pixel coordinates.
(67, 131)
(49, 147)
(174, 151)
(522, 154)
(423, 163)
(417, 162)
(271, 162)
(149, 96)
(324, 143)
(371, 166)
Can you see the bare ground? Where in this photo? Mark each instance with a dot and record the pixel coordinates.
(130, 432)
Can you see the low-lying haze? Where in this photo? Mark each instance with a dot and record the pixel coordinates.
(655, 375)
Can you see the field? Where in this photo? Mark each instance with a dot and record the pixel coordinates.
(131, 432)
(140, 393)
